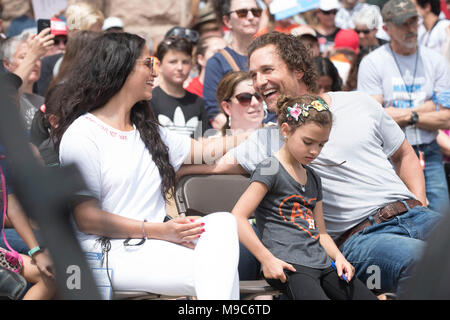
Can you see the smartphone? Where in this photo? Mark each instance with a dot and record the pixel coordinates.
(42, 24)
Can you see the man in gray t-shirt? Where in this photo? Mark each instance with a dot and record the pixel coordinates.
(404, 77)
(358, 179)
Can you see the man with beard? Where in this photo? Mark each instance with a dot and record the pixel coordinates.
(359, 182)
(404, 77)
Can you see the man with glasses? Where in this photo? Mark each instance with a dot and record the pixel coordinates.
(242, 18)
(349, 8)
(404, 77)
(366, 26)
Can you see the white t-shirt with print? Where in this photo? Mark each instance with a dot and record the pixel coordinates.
(379, 74)
(118, 168)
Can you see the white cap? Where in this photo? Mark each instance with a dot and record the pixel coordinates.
(112, 22)
(327, 5)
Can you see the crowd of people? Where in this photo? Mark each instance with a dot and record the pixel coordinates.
(340, 116)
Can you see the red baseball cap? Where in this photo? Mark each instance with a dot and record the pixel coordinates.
(347, 39)
(58, 27)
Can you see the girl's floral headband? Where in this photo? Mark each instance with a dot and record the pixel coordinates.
(302, 111)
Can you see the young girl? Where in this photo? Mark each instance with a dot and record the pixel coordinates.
(295, 251)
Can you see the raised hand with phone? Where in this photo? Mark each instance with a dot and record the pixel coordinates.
(38, 45)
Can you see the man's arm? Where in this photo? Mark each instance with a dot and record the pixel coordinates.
(407, 167)
(403, 116)
(434, 120)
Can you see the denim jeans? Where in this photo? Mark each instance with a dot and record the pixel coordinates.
(435, 181)
(384, 255)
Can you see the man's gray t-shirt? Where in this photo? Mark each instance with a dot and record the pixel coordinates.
(364, 136)
(285, 218)
(379, 74)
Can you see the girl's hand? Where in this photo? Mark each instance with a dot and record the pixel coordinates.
(44, 263)
(344, 267)
(273, 268)
(183, 231)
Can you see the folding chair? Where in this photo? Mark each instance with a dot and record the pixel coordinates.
(199, 195)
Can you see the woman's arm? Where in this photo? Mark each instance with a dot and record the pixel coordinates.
(93, 220)
(342, 265)
(209, 150)
(407, 167)
(22, 225)
(246, 205)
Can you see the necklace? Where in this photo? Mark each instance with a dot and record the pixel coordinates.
(411, 89)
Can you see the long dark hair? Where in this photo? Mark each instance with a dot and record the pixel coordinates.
(326, 68)
(77, 42)
(98, 74)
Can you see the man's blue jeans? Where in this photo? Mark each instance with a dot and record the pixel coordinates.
(384, 255)
(435, 181)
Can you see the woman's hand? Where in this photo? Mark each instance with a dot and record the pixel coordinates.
(40, 44)
(44, 263)
(183, 231)
(344, 267)
(273, 268)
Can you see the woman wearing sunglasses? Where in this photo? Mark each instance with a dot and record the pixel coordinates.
(240, 103)
(242, 18)
(128, 161)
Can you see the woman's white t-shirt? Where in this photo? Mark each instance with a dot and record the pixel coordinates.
(118, 169)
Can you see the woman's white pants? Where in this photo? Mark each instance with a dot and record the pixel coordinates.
(210, 271)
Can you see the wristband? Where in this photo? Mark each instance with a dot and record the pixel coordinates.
(33, 251)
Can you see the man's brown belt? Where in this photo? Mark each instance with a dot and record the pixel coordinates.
(383, 214)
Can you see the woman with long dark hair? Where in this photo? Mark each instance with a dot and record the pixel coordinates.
(106, 127)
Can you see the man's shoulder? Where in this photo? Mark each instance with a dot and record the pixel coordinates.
(379, 52)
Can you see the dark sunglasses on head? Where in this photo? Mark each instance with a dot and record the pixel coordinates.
(358, 31)
(334, 11)
(242, 13)
(245, 98)
(189, 34)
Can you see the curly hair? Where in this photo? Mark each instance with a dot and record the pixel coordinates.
(98, 74)
(292, 51)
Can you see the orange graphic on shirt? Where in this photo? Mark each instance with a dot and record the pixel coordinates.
(297, 211)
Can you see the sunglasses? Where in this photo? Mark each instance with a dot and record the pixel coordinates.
(327, 12)
(151, 62)
(57, 41)
(242, 13)
(188, 34)
(245, 98)
(358, 31)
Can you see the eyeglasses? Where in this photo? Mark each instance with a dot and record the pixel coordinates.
(188, 34)
(151, 62)
(245, 98)
(242, 13)
(358, 31)
(327, 12)
(57, 41)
